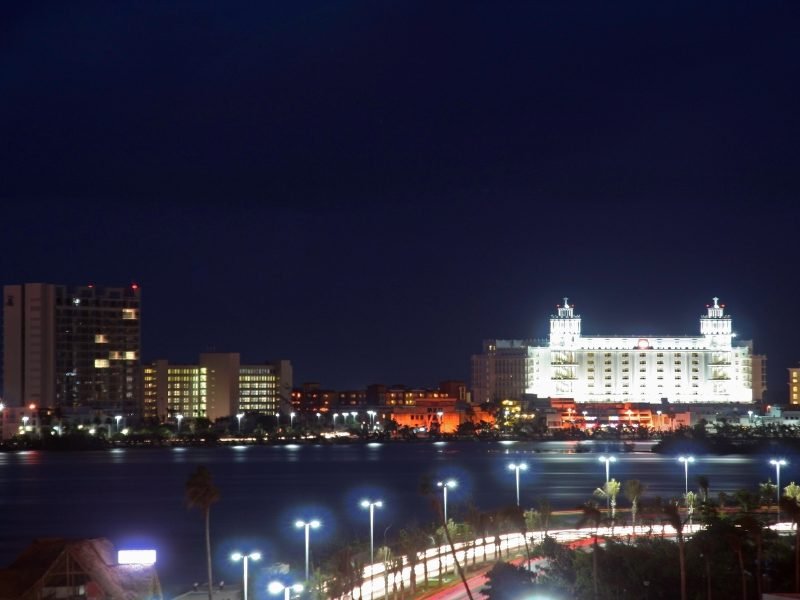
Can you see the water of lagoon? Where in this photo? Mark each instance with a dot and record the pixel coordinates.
(135, 497)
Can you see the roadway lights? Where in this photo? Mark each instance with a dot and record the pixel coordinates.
(276, 587)
(371, 506)
(450, 483)
(517, 467)
(237, 556)
(778, 462)
(307, 525)
(239, 418)
(686, 460)
(179, 418)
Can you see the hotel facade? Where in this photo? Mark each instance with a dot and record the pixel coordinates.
(712, 367)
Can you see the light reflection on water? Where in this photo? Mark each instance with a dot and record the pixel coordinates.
(140, 492)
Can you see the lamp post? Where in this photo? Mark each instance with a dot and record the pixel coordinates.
(660, 421)
(450, 483)
(354, 414)
(750, 418)
(371, 414)
(517, 467)
(179, 418)
(25, 423)
(239, 418)
(276, 587)
(371, 506)
(319, 415)
(291, 419)
(118, 418)
(307, 525)
(334, 419)
(608, 460)
(778, 462)
(686, 460)
(237, 556)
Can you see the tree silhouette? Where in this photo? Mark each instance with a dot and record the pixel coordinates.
(674, 519)
(633, 490)
(201, 493)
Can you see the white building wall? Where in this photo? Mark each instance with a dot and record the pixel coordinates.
(706, 368)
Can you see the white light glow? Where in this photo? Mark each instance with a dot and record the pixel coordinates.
(136, 557)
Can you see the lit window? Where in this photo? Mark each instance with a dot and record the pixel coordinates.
(100, 338)
(101, 363)
(129, 314)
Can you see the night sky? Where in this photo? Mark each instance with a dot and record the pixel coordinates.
(370, 189)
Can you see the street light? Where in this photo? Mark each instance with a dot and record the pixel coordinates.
(608, 460)
(237, 556)
(371, 414)
(276, 587)
(750, 417)
(334, 419)
(518, 467)
(307, 525)
(239, 418)
(25, 419)
(450, 483)
(778, 464)
(354, 414)
(686, 460)
(180, 418)
(291, 420)
(118, 418)
(371, 506)
(318, 418)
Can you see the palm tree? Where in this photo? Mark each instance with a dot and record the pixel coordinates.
(201, 493)
(753, 526)
(592, 515)
(691, 499)
(674, 519)
(633, 490)
(703, 485)
(610, 490)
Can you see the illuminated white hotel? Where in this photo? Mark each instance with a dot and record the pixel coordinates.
(711, 367)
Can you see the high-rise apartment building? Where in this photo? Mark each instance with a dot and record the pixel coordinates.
(218, 386)
(501, 372)
(72, 346)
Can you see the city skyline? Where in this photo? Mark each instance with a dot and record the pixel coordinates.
(371, 191)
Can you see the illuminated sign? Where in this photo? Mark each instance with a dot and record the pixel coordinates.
(136, 557)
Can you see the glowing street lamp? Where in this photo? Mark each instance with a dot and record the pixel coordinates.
(371, 414)
(237, 556)
(334, 419)
(517, 467)
(778, 464)
(371, 506)
(179, 418)
(354, 415)
(608, 460)
(319, 415)
(118, 418)
(686, 460)
(239, 418)
(25, 420)
(291, 419)
(276, 587)
(307, 525)
(750, 417)
(450, 483)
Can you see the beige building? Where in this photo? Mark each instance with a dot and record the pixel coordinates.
(501, 372)
(218, 386)
(71, 346)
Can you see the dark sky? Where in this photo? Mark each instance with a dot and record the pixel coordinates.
(371, 188)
